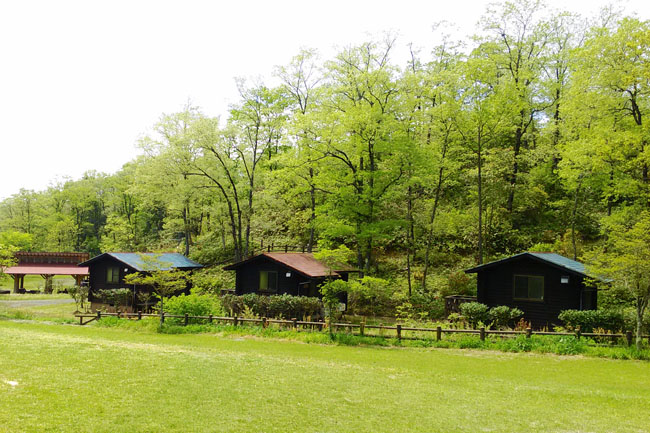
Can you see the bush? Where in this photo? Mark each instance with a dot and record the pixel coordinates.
(588, 320)
(428, 305)
(502, 316)
(194, 305)
(275, 306)
(474, 313)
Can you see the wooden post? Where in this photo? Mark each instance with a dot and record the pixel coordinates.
(81, 320)
(264, 322)
(295, 323)
(210, 318)
(529, 332)
(628, 337)
(286, 248)
(162, 317)
(399, 331)
(578, 333)
(186, 320)
(482, 333)
(362, 327)
(439, 333)
(99, 314)
(139, 314)
(234, 321)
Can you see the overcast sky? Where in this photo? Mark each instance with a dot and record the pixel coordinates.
(80, 81)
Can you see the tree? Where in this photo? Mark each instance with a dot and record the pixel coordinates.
(7, 258)
(164, 280)
(332, 289)
(627, 262)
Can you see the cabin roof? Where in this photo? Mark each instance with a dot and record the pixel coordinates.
(46, 269)
(304, 263)
(135, 260)
(552, 259)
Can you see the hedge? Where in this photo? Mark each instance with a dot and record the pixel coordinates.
(274, 306)
(606, 319)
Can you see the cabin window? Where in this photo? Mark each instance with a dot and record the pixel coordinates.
(113, 275)
(529, 287)
(268, 281)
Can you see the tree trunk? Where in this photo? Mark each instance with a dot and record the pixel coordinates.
(480, 205)
(312, 217)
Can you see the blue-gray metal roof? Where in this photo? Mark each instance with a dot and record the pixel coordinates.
(562, 261)
(552, 258)
(161, 261)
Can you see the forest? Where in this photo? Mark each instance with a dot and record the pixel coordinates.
(531, 135)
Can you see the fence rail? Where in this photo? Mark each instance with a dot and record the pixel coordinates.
(85, 318)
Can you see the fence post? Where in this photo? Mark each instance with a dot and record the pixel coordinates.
(264, 322)
(628, 337)
(186, 320)
(399, 331)
(295, 323)
(438, 333)
(234, 321)
(81, 320)
(210, 318)
(139, 314)
(578, 333)
(99, 314)
(529, 332)
(162, 317)
(362, 327)
(482, 333)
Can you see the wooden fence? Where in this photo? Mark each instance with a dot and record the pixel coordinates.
(361, 329)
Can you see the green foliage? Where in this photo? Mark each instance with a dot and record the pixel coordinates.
(80, 295)
(474, 313)
(372, 296)
(193, 304)
(275, 306)
(603, 319)
(118, 298)
(212, 280)
(504, 316)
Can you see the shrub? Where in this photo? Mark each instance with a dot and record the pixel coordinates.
(474, 313)
(429, 305)
(275, 306)
(502, 316)
(194, 305)
(372, 296)
(115, 297)
(588, 320)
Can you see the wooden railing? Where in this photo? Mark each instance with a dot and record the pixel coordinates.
(398, 330)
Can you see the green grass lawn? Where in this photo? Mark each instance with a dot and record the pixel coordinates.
(96, 379)
(36, 282)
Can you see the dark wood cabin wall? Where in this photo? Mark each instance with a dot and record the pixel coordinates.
(97, 275)
(495, 287)
(248, 278)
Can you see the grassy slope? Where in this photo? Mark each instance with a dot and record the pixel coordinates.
(100, 379)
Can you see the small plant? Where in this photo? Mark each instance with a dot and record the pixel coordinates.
(79, 294)
(474, 313)
(502, 316)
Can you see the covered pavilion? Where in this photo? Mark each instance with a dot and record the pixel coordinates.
(46, 264)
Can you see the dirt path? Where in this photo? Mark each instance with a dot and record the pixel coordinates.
(35, 303)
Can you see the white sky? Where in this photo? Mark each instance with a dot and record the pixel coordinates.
(80, 81)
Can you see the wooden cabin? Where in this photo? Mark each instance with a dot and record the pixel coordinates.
(539, 284)
(107, 271)
(271, 273)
